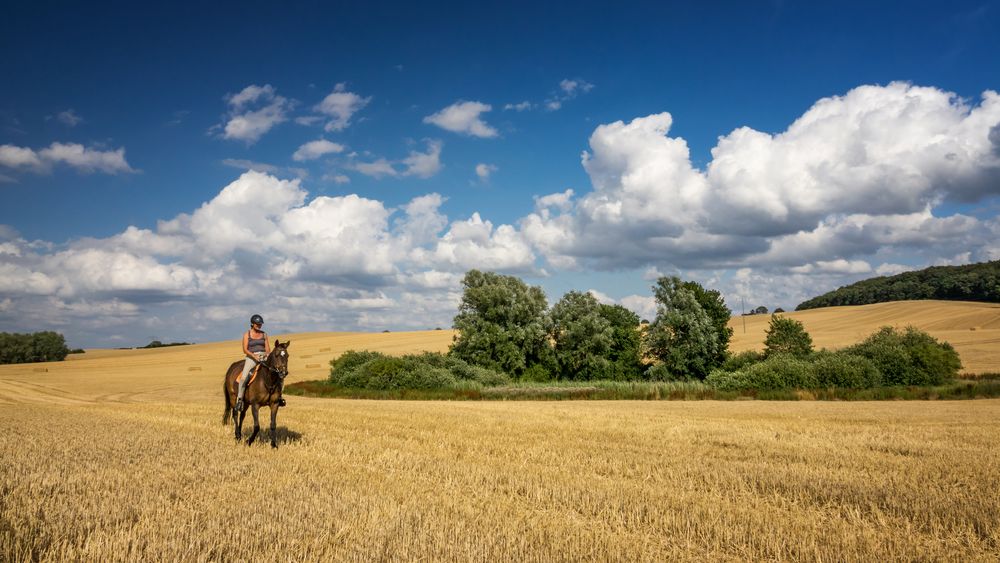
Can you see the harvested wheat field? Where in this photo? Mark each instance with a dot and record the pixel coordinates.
(972, 328)
(120, 455)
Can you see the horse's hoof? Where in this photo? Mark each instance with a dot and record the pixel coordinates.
(274, 446)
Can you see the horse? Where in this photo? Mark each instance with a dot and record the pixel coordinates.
(264, 390)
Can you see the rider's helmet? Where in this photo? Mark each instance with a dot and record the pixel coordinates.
(256, 320)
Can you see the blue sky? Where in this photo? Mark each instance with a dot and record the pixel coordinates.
(772, 150)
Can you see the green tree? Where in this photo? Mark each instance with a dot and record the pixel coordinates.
(683, 336)
(45, 346)
(501, 323)
(626, 346)
(909, 357)
(787, 336)
(582, 337)
(713, 304)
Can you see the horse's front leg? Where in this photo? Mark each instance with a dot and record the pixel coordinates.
(255, 409)
(274, 425)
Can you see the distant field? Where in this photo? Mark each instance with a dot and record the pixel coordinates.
(972, 328)
(119, 455)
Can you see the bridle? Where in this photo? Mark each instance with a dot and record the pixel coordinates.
(282, 374)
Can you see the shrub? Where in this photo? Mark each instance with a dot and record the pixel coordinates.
(776, 372)
(536, 372)
(909, 357)
(660, 372)
(839, 369)
(403, 373)
(485, 376)
(349, 361)
(738, 361)
(724, 380)
(429, 370)
(787, 336)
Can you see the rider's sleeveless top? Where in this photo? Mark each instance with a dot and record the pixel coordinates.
(256, 344)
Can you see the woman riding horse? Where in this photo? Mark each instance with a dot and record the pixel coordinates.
(262, 390)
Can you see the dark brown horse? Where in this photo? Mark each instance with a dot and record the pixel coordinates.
(262, 391)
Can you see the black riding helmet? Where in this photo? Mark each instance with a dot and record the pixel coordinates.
(256, 320)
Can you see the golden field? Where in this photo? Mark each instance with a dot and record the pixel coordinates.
(972, 328)
(120, 455)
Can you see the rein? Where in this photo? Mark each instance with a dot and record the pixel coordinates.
(281, 374)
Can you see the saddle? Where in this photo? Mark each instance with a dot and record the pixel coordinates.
(251, 376)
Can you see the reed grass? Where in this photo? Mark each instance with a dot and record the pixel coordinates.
(648, 391)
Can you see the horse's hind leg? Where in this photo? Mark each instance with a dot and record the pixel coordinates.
(274, 425)
(238, 417)
(255, 409)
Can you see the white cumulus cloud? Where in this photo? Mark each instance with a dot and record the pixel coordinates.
(254, 111)
(484, 171)
(855, 174)
(464, 117)
(74, 155)
(340, 106)
(419, 164)
(315, 149)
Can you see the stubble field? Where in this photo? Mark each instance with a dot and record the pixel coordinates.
(120, 455)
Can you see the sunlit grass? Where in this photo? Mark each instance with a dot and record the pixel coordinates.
(484, 481)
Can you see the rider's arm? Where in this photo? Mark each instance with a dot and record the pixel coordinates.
(267, 345)
(246, 351)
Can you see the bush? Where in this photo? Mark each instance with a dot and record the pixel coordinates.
(537, 373)
(909, 357)
(724, 380)
(746, 358)
(403, 373)
(429, 370)
(776, 372)
(660, 372)
(787, 336)
(349, 361)
(839, 369)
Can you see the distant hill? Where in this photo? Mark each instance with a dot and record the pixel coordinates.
(973, 282)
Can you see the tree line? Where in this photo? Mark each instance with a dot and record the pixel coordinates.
(506, 332)
(505, 325)
(972, 282)
(45, 346)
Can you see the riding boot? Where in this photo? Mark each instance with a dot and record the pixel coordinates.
(239, 406)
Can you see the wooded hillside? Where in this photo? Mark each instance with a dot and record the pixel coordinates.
(973, 282)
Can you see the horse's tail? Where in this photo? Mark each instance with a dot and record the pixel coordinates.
(229, 405)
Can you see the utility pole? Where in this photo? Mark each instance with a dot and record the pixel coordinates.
(743, 313)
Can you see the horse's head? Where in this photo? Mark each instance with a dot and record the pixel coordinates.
(278, 360)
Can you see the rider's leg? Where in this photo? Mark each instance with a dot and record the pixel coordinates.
(247, 366)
